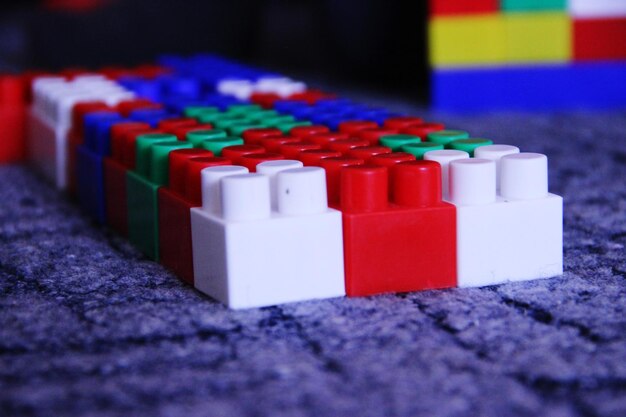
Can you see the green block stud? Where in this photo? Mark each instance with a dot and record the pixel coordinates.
(468, 145)
(532, 5)
(196, 137)
(243, 109)
(216, 117)
(444, 137)
(419, 149)
(196, 111)
(216, 145)
(286, 127)
(226, 124)
(276, 120)
(159, 164)
(142, 155)
(396, 142)
(261, 115)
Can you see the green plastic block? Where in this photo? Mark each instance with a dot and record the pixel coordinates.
(243, 109)
(286, 127)
(227, 123)
(216, 145)
(159, 164)
(216, 117)
(532, 5)
(276, 120)
(419, 149)
(142, 155)
(238, 129)
(396, 142)
(142, 209)
(444, 137)
(196, 111)
(261, 115)
(468, 145)
(196, 137)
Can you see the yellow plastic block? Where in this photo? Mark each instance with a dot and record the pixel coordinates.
(538, 37)
(467, 40)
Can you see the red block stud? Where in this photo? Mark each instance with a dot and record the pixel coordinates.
(175, 250)
(126, 107)
(177, 167)
(181, 131)
(382, 237)
(333, 167)
(272, 144)
(293, 150)
(344, 145)
(390, 159)
(314, 157)
(128, 146)
(422, 130)
(234, 153)
(304, 132)
(255, 136)
(252, 160)
(402, 122)
(367, 152)
(265, 100)
(351, 127)
(373, 135)
(325, 139)
(168, 125)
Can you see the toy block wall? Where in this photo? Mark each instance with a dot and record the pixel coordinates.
(527, 54)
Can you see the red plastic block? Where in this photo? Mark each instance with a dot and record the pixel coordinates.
(265, 100)
(181, 131)
(382, 236)
(402, 122)
(367, 152)
(422, 130)
(344, 145)
(254, 136)
(304, 132)
(168, 125)
(325, 139)
(314, 157)
(252, 160)
(445, 7)
(333, 168)
(351, 127)
(12, 118)
(128, 106)
(273, 144)
(175, 250)
(596, 39)
(373, 135)
(311, 96)
(292, 150)
(115, 177)
(236, 152)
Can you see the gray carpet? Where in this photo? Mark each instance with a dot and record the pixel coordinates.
(90, 327)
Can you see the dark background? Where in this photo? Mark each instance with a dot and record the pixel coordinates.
(376, 43)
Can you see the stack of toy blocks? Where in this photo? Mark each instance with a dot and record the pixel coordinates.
(527, 54)
(258, 190)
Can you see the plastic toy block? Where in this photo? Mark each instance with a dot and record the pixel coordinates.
(182, 131)
(196, 137)
(469, 145)
(273, 144)
(373, 135)
(495, 153)
(115, 176)
(333, 167)
(382, 237)
(237, 238)
(444, 157)
(238, 129)
(535, 88)
(254, 136)
(538, 36)
(420, 148)
(12, 118)
(396, 142)
(314, 157)
(150, 173)
(324, 139)
(195, 111)
(390, 159)
(423, 130)
(275, 121)
(351, 127)
(304, 132)
(596, 39)
(175, 203)
(234, 153)
(462, 7)
(512, 235)
(532, 5)
(367, 152)
(168, 125)
(344, 145)
(287, 127)
(126, 107)
(251, 161)
(596, 8)
(397, 123)
(293, 150)
(467, 41)
(216, 145)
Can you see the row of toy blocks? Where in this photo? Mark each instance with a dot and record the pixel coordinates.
(577, 8)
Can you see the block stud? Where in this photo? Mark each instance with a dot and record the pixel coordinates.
(472, 181)
(444, 157)
(495, 152)
(364, 188)
(301, 191)
(416, 183)
(245, 197)
(524, 176)
(271, 169)
(211, 195)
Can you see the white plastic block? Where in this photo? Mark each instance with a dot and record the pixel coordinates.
(249, 255)
(596, 8)
(239, 88)
(512, 236)
(444, 158)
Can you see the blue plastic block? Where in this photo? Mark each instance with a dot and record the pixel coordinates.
(547, 87)
(150, 116)
(90, 183)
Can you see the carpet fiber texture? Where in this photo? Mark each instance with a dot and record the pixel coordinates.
(88, 326)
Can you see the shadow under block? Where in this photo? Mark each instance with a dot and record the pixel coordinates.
(537, 37)
(579, 85)
(142, 206)
(472, 40)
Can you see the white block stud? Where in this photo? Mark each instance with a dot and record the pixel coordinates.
(211, 192)
(495, 153)
(245, 197)
(271, 169)
(444, 158)
(302, 191)
(472, 182)
(524, 176)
